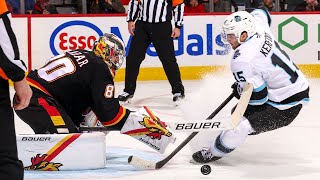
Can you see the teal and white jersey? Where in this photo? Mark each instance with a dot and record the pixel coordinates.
(260, 61)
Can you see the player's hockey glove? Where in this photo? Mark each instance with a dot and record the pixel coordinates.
(237, 89)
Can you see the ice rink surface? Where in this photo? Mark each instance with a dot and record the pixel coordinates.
(290, 153)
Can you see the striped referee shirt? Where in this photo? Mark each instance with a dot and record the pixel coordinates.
(11, 67)
(155, 11)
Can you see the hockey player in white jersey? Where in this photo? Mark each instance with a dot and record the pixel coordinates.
(279, 87)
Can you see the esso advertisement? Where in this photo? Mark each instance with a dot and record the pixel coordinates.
(74, 35)
(196, 45)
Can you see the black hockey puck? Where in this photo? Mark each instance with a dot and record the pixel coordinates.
(129, 159)
(205, 169)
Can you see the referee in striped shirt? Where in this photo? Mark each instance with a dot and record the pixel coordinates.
(149, 21)
(11, 67)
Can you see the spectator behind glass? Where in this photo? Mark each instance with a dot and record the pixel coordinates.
(292, 4)
(43, 7)
(106, 6)
(193, 6)
(222, 5)
(15, 5)
(248, 4)
(308, 5)
(268, 4)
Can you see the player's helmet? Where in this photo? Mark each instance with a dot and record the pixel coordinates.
(237, 23)
(111, 49)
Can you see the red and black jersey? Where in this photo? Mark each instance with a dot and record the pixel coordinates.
(78, 80)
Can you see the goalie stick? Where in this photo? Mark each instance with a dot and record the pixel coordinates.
(222, 123)
(235, 119)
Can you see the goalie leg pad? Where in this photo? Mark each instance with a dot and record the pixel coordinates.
(144, 126)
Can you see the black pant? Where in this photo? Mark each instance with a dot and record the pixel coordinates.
(265, 117)
(10, 167)
(160, 35)
(50, 115)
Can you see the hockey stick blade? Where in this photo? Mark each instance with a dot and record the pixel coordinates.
(141, 163)
(145, 164)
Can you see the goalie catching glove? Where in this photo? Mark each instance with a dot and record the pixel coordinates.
(144, 126)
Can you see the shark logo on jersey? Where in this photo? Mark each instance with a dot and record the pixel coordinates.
(237, 18)
(236, 54)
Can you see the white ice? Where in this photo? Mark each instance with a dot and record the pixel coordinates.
(290, 153)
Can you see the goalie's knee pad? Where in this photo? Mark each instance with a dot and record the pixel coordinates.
(144, 126)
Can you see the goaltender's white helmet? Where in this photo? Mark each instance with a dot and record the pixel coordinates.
(237, 23)
(111, 49)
